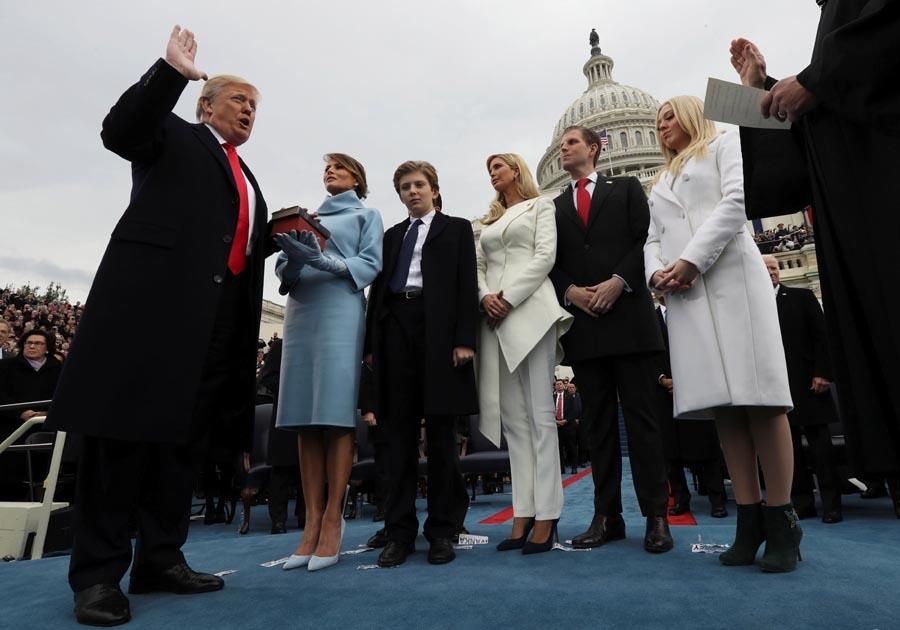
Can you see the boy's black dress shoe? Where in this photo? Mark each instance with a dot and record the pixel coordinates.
(394, 554)
(603, 529)
(832, 517)
(378, 540)
(179, 578)
(278, 527)
(102, 605)
(441, 551)
(658, 538)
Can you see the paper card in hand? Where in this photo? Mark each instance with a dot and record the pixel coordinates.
(297, 218)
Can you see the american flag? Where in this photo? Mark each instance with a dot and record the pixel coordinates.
(604, 140)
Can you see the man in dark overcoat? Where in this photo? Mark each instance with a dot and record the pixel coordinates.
(193, 233)
(809, 374)
(421, 325)
(844, 106)
(614, 342)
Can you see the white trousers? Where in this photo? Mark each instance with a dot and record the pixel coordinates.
(528, 418)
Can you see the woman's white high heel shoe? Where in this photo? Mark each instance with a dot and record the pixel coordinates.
(295, 562)
(321, 562)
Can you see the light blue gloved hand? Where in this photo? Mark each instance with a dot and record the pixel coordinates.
(297, 247)
(305, 246)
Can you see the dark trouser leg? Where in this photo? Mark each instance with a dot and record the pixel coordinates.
(635, 378)
(280, 480)
(802, 488)
(678, 482)
(567, 444)
(381, 471)
(598, 396)
(824, 461)
(402, 371)
(164, 509)
(106, 496)
(447, 496)
(712, 477)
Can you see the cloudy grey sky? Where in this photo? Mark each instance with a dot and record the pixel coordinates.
(449, 82)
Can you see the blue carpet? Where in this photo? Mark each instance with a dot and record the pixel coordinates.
(849, 579)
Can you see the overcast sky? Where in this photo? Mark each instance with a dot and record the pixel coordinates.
(448, 82)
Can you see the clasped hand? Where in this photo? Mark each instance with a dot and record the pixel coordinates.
(679, 276)
(598, 299)
(302, 248)
(496, 308)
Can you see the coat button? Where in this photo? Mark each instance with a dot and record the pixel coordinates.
(662, 229)
(226, 238)
(218, 279)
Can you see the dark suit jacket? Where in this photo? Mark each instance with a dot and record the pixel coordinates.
(160, 280)
(806, 352)
(611, 244)
(451, 313)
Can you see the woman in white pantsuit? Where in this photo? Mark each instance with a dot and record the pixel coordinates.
(519, 348)
(724, 336)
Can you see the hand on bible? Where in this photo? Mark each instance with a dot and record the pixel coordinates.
(180, 53)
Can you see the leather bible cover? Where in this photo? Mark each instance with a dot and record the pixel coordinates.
(297, 218)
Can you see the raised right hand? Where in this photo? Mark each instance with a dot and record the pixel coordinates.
(748, 62)
(180, 53)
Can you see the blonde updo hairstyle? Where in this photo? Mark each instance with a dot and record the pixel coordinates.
(525, 185)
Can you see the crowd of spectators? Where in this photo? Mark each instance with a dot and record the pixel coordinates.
(29, 308)
(783, 238)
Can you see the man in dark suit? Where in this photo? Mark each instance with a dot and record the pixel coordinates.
(612, 346)
(567, 412)
(5, 332)
(809, 375)
(421, 326)
(194, 233)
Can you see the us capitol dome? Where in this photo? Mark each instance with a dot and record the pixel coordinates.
(628, 115)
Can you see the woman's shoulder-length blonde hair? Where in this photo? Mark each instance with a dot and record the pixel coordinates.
(525, 185)
(688, 112)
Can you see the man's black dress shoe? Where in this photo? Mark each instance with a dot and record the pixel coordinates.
(808, 511)
(102, 605)
(680, 508)
(278, 527)
(179, 578)
(718, 511)
(441, 551)
(658, 538)
(832, 517)
(394, 554)
(873, 492)
(603, 529)
(378, 540)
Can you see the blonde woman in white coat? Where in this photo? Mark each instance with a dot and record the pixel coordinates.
(518, 347)
(725, 341)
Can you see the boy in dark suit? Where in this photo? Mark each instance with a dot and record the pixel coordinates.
(421, 328)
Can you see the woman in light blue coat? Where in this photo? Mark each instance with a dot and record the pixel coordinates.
(322, 350)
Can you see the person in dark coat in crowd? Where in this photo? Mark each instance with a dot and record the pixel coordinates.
(568, 410)
(29, 376)
(194, 233)
(844, 108)
(809, 374)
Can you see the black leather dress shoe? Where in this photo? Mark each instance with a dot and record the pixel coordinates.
(832, 517)
(394, 554)
(441, 551)
(808, 511)
(680, 508)
(603, 529)
(378, 540)
(102, 605)
(718, 511)
(179, 578)
(278, 527)
(658, 538)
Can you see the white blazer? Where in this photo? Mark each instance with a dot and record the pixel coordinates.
(724, 336)
(515, 254)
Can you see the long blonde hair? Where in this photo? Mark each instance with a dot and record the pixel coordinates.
(688, 112)
(525, 185)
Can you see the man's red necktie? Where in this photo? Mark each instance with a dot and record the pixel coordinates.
(559, 407)
(584, 200)
(237, 258)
